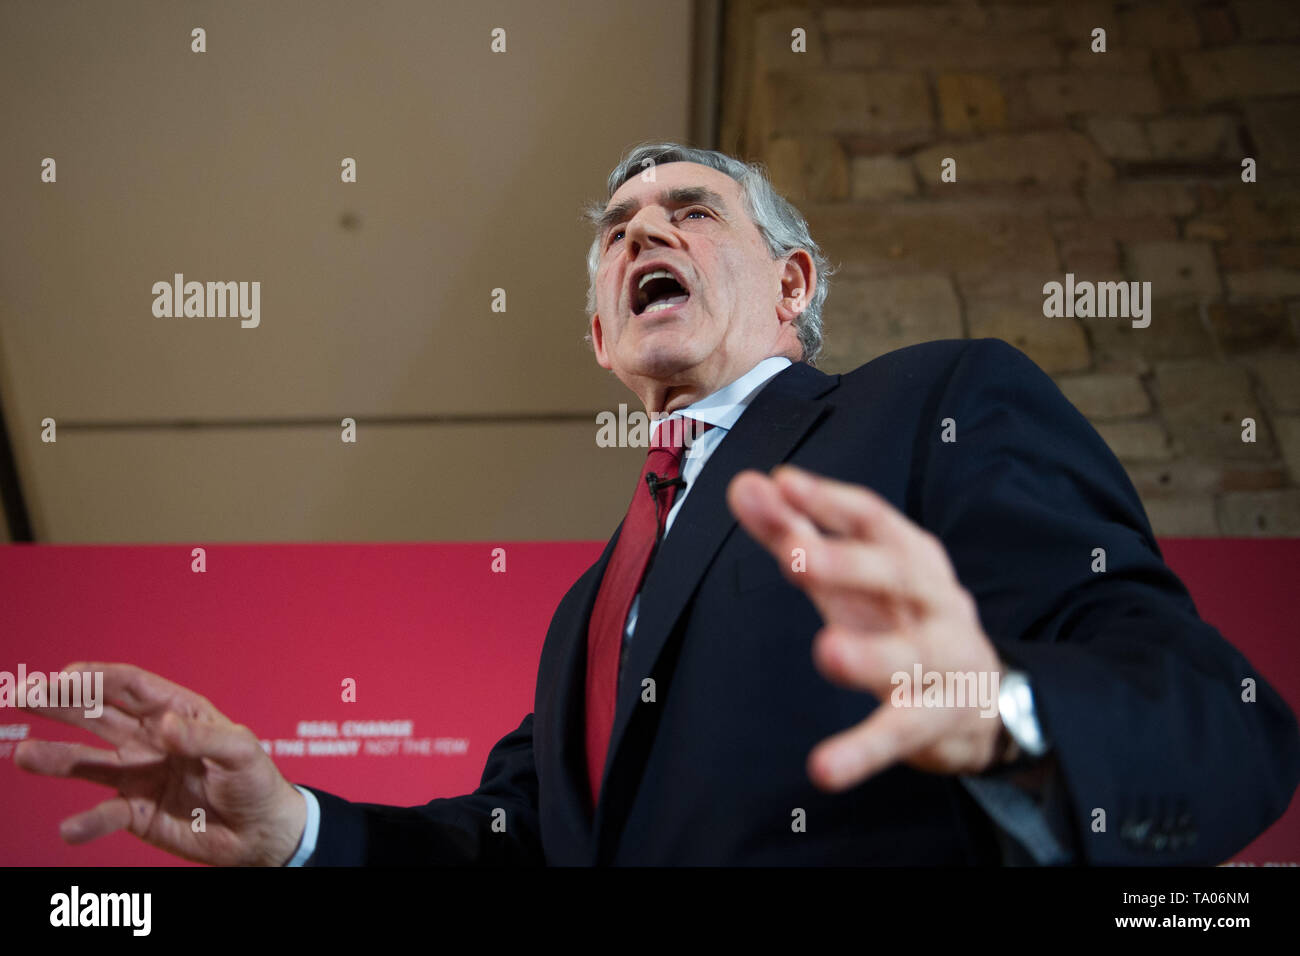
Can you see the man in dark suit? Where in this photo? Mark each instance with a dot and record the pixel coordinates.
(941, 632)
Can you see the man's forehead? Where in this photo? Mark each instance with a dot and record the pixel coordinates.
(674, 174)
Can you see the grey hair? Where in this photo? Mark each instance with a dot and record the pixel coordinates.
(781, 225)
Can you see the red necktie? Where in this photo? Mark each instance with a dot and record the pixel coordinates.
(645, 520)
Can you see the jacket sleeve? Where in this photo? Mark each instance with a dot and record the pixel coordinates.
(496, 825)
(1164, 756)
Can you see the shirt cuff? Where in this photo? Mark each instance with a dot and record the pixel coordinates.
(1037, 828)
(307, 845)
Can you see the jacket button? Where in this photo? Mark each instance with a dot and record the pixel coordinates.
(1135, 831)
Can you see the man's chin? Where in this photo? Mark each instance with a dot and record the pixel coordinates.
(663, 361)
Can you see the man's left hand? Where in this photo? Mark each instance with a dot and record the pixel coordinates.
(890, 599)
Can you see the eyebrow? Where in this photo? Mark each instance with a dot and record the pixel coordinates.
(676, 196)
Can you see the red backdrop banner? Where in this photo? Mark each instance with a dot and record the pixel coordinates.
(441, 648)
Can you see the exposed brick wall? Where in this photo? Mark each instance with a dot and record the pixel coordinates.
(1123, 165)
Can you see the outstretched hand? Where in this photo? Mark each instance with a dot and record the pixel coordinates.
(890, 600)
(173, 753)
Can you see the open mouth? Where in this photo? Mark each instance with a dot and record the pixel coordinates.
(658, 291)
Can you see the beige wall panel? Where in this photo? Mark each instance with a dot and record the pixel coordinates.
(224, 165)
(460, 482)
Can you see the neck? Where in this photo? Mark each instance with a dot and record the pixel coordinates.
(661, 400)
(663, 397)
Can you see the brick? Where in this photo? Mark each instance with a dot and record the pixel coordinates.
(1205, 229)
(1060, 94)
(1252, 476)
(1017, 18)
(1173, 268)
(1268, 19)
(1078, 17)
(904, 20)
(1132, 199)
(1104, 396)
(1049, 199)
(1275, 128)
(772, 41)
(1271, 283)
(1279, 379)
(811, 167)
(1247, 212)
(1203, 404)
(1217, 26)
(881, 177)
(783, 157)
(1167, 71)
(1251, 326)
(1255, 256)
(1182, 476)
(866, 318)
(833, 101)
(1112, 61)
(1114, 229)
(1056, 345)
(1021, 114)
(1260, 513)
(1119, 137)
(1182, 516)
(1170, 25)
(1007, 284)
(933, 236)
(1090, 247)
(855, 50)
(1097, 258)
(1199, 476)
(1176, 332)
(959, 51)
(1059, 159)
(1128, 228)
(970, 102)
(1193, 138)
(1136, 441)
(895, 141)
(1242, 71)
(1287, 429)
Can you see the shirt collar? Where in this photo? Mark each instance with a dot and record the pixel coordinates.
(724, 407)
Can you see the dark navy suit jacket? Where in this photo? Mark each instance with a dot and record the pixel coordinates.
(1140, 697)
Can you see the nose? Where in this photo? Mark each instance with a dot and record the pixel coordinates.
(649, 227)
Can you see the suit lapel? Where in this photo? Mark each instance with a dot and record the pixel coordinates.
(565, 761)
(764, 436)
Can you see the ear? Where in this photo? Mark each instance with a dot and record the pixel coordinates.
(598, 342)
(798, 283)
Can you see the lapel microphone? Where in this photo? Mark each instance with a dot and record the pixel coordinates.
(658, 484)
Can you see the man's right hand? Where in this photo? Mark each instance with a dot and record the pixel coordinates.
(174, 753)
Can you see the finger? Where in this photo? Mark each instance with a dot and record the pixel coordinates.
(783, 530)
(848, 564)
(837, 506)
(228, 745)
(890, 734)
(757, 504)
(111, 725)
(110, 816)
(867, 662)
(142, 694)
(856, 511)
(60, 759)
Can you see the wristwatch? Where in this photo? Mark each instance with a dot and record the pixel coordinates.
(1016, 708)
